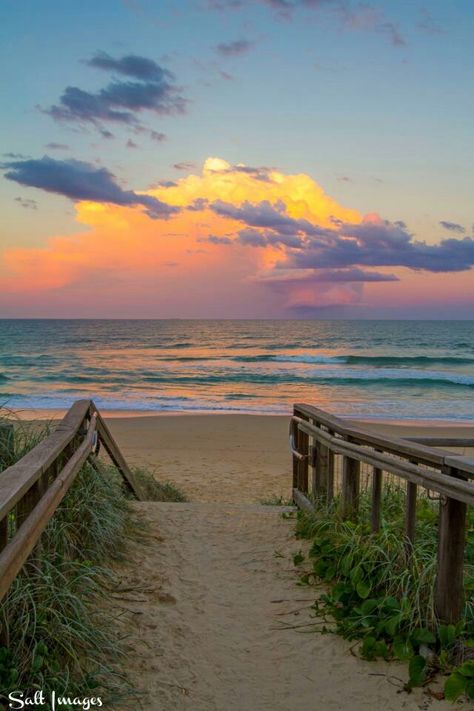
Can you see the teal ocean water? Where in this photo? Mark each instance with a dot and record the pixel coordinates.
(376, 369)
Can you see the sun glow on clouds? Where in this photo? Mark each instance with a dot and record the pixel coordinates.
(232, 249)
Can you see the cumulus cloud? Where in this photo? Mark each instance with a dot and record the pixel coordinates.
(452, 226)
(278, 246)
(79, 180)
(148, 87)
(234, 49)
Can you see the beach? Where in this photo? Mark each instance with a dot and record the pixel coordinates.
(228, 458)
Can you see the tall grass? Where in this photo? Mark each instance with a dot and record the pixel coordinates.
(55, 630)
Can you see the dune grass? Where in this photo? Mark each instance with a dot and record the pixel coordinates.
(376, 594)
(56, 633)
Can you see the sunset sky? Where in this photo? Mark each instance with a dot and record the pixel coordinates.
(237, 158)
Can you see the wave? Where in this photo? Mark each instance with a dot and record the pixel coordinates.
(357, 360)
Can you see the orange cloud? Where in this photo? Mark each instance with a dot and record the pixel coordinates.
(216, 257)
(123, 251)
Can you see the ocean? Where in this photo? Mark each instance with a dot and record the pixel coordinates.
(373, 369)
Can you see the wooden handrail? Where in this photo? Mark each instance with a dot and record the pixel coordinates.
(317, 436)
(33, 488)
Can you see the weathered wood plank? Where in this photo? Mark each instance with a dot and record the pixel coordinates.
(302, 501)
(449, 592)
(396, 445)
(350, 487)
(429, 479)
(17, 479)
(117, 458)
(14, 555)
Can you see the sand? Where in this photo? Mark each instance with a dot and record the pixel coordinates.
(214, 621)
(231, 458)
(207, 598)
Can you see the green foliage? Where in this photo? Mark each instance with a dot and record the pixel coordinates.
(461, 681)
(379, 595)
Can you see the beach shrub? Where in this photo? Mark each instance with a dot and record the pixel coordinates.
(376, 593)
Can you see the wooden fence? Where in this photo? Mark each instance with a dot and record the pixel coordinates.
(317, 439)
(31, 489)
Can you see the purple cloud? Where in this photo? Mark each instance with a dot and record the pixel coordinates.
(452, 226)
(120, 102)
(78, 180)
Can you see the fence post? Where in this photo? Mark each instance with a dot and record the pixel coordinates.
(350, 487)
(300, 466)
(410, 516)
(376, 500)
(449, 592)
(320, 462)
(330, 473)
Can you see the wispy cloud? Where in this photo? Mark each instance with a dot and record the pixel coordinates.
(57, 146)
(452, 226)
(78, 180)
(27, 203)
(235, 48)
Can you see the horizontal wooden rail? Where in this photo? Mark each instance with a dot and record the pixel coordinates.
(317, 436)
(32, 489)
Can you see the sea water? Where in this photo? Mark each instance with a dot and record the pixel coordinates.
(373, 369)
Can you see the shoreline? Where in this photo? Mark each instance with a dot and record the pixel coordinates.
(30, 414)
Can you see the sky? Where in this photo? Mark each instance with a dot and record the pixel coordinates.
(236, 159)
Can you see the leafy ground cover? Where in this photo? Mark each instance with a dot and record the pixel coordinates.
(376, 593)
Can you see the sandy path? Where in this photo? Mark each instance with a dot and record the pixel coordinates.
(231, 458)
(206, 597)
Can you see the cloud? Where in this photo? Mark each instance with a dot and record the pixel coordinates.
(184, 165)
(131, 65)
(243, 247)
(214, 239)
(452, 226)
(353, 275)
(368, 18)
(267, 215)
(375, 242)
(120, 102)
(361, 16)
(27, 203)
(427, 23)
(131, 144)
(57, 146)
(78, 180)
(372, 242)
(234, 49)
(157, 136)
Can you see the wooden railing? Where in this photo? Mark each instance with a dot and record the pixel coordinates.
(31, 489)
(317, 439)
